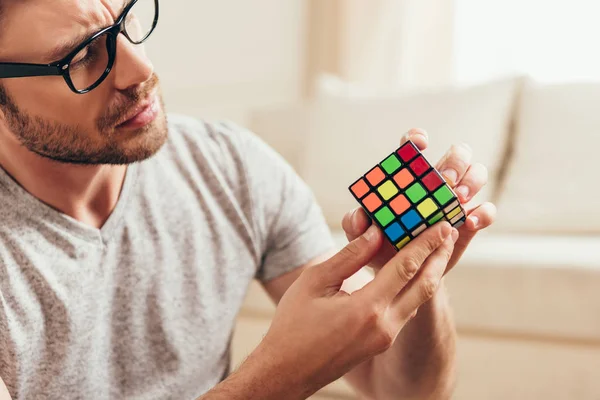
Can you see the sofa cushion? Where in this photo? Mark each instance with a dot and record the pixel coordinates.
(552, 184)
(347, 136)
(526, 284)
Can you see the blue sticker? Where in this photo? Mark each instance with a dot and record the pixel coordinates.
(410, 219)
(394, 231)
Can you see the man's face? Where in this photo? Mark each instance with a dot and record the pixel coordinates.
(46, 117)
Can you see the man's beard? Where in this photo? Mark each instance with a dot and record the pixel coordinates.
(71, 144)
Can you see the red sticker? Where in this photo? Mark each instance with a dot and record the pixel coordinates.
(419, 166)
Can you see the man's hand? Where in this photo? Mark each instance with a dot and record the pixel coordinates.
(465, 178)
(319, 332)
(422, 362)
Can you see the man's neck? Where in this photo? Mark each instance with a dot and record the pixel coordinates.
(87, 193)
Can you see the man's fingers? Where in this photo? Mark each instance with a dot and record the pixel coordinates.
(418, 136)
(455, 163)
(480, 217)
(426, 283)
(351, 258)
(477, 219)
(475, 178)
(355, 223)
(396, 273)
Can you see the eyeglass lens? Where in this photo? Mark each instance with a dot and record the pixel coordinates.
(89, 65)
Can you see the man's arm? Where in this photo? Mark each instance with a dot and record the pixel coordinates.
(257, 378)
(422, 362)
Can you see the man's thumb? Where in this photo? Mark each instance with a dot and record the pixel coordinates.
(352, 258)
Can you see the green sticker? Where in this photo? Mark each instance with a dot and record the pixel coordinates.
(437, 217)
(416, 192)
(384, 216)
(391, 164)
(443, 195)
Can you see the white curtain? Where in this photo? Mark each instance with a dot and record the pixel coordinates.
(382, 43)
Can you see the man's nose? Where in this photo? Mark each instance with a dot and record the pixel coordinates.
(132, 66)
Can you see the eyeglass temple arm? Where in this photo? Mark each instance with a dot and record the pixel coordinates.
(14, 70)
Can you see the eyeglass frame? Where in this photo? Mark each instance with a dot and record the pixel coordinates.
(61, 67)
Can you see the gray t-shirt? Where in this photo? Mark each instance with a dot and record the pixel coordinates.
(144, 308)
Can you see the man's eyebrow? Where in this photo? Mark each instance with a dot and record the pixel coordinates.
(63, 49)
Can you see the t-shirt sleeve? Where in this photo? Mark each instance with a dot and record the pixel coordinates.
(290, 225)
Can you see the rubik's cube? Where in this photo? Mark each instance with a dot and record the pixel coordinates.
(405, 195)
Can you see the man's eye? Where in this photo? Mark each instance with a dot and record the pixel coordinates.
(82, 56)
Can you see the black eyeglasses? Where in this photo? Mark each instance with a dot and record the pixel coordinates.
(86, 67)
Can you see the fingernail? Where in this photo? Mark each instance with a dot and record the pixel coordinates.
(450, 175)
(454, 235)
(371, 233)
(463, 191)
(420, 132)
(475, 221)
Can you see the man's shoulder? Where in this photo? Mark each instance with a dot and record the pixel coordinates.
(189, 136)
(218, 148)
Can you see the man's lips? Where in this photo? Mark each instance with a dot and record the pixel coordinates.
(141, 115)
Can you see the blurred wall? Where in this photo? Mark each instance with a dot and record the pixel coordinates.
(219, 59)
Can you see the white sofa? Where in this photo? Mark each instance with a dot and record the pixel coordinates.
(527, 293)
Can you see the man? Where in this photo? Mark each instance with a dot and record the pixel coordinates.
(127, 242)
